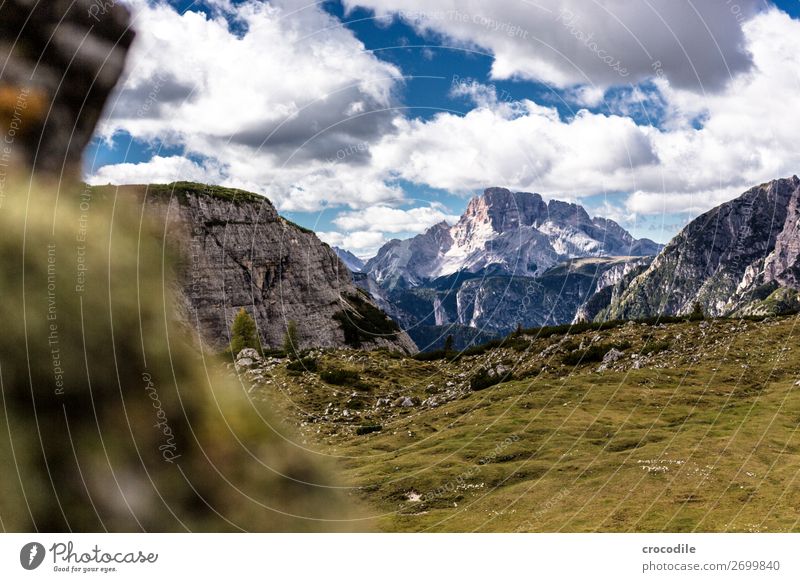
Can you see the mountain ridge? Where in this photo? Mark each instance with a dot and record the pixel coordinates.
(510, 259)
(517, 232)
(730, 259)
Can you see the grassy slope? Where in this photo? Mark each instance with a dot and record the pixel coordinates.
(702, 437)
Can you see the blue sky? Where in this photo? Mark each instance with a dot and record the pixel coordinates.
(445, 78)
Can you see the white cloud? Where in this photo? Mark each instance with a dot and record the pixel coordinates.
(394, 220)
(587, 95)
(748, 134)
(326, 133)
(692, 203)
(158, 170)
(286, 102)
(696, 45)
(623, 216)
(480, 94)
(522, 146)
(363, 244)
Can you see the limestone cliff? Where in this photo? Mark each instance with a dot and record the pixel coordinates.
(236, 251)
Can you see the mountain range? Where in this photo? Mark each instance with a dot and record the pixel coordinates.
(351, 261)
(511, 259)
(503, 232)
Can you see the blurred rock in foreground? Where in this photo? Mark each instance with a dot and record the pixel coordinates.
(111, 420)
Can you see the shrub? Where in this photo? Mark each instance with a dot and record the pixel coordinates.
(652, 347)
(391, 354)
(302, 365)
(572, 328)
(697, 312)
(430, 356)
(593, 353)
(369, 428)
(519, 344)
(290, 343)
(356, 403)
(448, 344)
(481, 349)
(341, 377)
(243, 333)
(484, 379)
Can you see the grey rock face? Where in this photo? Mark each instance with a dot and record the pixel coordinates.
(781, 265)
(611, 284)
(236, 251)
(410, 262)
(504, 210)
(497, 304)
(732, 255)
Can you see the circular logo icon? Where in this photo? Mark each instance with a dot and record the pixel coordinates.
(31, 555)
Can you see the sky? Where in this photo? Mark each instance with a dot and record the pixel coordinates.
(367, 120)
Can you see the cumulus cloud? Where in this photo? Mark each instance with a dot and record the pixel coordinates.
(693, 203)
(586, 95)
(704, 151)
(522, 146)
(363, 243)
(695, 45)
(394, 220)
(159, 169)
(478, 93)
(328, 135)
(280, 94)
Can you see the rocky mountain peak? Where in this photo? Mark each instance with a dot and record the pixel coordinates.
(565, 213)
(439, 232)
(515, 233)
(505, 210)
(612, 229)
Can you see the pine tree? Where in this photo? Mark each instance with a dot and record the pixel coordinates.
(697, 312)
(290, 342)
(448, 344)
(243, 333)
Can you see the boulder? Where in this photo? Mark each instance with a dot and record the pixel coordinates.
(250, 354)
